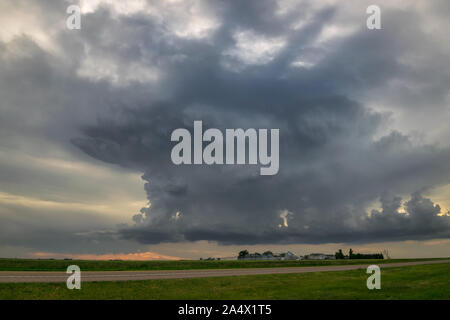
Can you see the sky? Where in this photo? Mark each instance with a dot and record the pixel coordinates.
(86, 117)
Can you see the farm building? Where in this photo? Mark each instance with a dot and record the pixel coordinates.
(319, 256)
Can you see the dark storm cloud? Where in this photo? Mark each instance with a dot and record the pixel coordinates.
(124, 82)
(333, 164)
(46, 202)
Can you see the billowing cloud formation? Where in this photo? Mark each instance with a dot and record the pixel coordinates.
(362, 116)
(335, 158)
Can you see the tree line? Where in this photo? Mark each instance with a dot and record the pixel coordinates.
(352, 255)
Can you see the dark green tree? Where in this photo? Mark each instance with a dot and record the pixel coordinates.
(339, 254)
(243, 253)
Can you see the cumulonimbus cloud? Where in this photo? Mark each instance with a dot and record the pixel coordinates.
(333, 160)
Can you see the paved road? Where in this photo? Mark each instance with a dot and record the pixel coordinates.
(45, 276)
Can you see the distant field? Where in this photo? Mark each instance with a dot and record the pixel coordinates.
(90, 265)
(416, 282)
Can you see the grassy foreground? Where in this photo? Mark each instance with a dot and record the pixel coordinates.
(415, 282)
(117, 265)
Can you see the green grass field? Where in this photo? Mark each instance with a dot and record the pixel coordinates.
(415, 282)
(90, 265)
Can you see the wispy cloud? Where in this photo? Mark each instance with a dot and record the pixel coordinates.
(109, 256)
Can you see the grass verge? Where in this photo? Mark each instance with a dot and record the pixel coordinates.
(413, 282)
(117, 265)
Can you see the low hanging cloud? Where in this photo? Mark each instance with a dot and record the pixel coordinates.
(336, 157)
